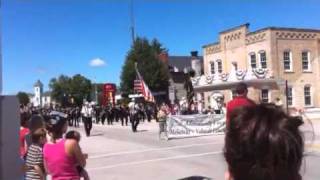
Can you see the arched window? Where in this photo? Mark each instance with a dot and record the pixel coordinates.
(287, 60)
(263, 59)
(212, 68)
(305, 57)
(253, 60)
(219, 63)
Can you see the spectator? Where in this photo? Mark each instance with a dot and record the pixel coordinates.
(76, 136)
(61, 156)
(262, 142)
(23, 132)
(34, 159)
(36, 122)
(239, 101)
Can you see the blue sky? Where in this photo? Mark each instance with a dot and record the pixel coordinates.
(42, 39)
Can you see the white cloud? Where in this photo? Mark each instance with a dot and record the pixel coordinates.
(97, 62)
(41, 70)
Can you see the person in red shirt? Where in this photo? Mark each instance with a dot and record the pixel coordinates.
(239, 101)
(23, 132)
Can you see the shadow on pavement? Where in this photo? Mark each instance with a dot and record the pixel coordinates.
(97, 134)
(196, 178)
(142, 130)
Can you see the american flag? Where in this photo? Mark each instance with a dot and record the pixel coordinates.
(141, 87)
(137, 86)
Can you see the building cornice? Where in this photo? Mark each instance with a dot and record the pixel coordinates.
(234, 28)
(211, 44)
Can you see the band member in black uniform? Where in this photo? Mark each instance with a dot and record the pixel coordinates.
(97, 114)
(109, 116)
(126, 113)
(77, 117)
(135, 117)
(103, 115)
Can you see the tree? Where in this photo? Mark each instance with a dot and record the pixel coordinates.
(65, 88)
(23, 98)
(154, 71)
(80, 88)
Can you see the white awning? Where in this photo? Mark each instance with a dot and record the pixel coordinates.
(255, 83)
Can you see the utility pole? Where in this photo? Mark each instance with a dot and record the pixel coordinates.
(95, 90)
(287, 105)
(132, 22)
(1, 55)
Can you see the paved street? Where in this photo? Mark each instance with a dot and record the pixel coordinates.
(115, 153)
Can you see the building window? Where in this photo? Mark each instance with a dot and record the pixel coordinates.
(287, 61)
(263, 59)
(265, 95)
(305, 61)
(290, 96)
(307, 95)
(219, 66)
(212, 68)
(253, 60)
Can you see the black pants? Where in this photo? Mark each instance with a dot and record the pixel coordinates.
(77, 120)
(110, 120)
(103, 119)
(87, 125)
(134, 122)
(97, 119)
(124, 119)
(149, 117)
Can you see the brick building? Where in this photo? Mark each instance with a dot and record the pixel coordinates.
(291, 54)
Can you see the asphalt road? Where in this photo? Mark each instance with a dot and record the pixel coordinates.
(116, 153)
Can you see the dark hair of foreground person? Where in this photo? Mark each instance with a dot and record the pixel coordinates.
(263, 143)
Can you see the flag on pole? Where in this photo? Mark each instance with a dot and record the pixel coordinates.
(137, 86)
(142, 87)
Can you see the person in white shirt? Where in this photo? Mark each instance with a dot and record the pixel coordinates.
(87, 112)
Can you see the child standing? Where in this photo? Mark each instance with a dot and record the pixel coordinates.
(76, 136)
(34, 159)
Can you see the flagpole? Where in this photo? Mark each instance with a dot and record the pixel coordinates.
(132, 21)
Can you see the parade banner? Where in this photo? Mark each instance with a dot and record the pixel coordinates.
(195, 125)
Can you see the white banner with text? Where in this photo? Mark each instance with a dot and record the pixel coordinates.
(195, 125)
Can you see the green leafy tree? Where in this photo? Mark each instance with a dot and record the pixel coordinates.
(23, 98)
(65, 89)
(80, 88)
(154, 72)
